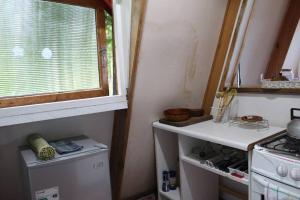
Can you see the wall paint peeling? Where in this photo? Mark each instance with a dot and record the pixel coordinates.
(190, 71)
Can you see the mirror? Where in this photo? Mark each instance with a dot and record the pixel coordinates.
(266, 51)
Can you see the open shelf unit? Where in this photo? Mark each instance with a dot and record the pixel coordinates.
(193, 161)
(209, 174)
(167, 158)
(171, 195)
(173, 152)
(199, 179)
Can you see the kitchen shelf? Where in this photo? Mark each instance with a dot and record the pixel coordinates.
(174, 145)
(172, 194)
(222, 133)
(194, 161)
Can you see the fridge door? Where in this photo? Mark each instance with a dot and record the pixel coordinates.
(80, 178)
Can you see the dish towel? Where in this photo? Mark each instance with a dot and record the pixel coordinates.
(41, 147)
(65, 146)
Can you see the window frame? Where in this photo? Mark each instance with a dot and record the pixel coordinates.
(99, 8)
(54, 110)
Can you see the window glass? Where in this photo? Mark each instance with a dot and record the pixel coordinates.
(110, 53)
(47, 47)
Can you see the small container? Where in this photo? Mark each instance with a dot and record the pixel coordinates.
(221, 115)
(165, 183)
(172, 180)
(240, 168)
(212, 161)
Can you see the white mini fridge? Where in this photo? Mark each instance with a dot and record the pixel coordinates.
(81, 175)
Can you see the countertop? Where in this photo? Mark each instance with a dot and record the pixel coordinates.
(223, 133)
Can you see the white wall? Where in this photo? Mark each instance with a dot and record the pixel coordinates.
(292, 60)
(260, 39)
(275, 108)
(177, 50)
(96, 126)
(261, 35)
(259, 42)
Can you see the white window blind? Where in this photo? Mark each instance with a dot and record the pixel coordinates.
(47, 47)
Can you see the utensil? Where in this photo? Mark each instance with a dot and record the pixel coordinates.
(293, 126)
(229, 97)
(225, 99)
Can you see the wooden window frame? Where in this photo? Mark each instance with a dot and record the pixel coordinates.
(99, 7)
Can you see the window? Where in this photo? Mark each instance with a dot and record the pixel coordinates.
(292, 59)
(54, 51)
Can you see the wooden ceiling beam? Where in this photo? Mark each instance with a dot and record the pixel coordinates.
(224, 44)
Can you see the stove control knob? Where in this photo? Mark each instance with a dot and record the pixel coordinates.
(295, 174)
(282, 170)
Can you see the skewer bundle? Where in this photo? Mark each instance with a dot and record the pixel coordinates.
(225, 99)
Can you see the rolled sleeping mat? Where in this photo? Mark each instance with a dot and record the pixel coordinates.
(40, 146)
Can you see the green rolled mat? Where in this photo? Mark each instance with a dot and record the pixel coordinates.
(40, 146)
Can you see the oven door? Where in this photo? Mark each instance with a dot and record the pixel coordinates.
(263, 188)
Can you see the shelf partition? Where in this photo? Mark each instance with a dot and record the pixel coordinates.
(171, 195)
(193, 161)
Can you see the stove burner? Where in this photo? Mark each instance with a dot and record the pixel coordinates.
(284, 145)
(292, 144)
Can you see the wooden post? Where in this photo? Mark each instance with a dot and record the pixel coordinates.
(122, 118)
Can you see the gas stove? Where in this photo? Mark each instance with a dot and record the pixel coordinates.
(278, 158)
(283, 144)
(275, 167)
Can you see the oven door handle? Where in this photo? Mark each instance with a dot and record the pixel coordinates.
(266, 184)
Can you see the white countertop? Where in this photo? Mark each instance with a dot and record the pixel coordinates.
(223, 133)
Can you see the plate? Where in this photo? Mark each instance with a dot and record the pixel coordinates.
(252, 118)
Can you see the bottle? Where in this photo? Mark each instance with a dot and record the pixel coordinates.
(165, 183)
(172, 180)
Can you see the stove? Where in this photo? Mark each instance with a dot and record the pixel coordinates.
(276, 166)
(283, 144)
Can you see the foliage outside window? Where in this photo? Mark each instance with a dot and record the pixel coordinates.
(110, 53)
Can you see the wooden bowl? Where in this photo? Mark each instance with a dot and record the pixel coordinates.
(196, 112)
(177, 114)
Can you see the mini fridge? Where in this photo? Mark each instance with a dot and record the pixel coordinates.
(81, 175)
